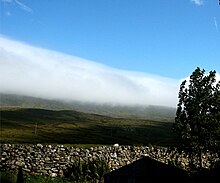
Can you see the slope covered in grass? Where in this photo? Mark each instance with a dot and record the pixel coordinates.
(27, 125)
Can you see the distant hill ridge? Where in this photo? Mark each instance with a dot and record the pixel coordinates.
(152, 112)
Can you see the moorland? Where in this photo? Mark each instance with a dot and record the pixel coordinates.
(33, 120)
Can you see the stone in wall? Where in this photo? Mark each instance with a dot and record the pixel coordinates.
(54, 160)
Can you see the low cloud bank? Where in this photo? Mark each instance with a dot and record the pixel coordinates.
(32, 71)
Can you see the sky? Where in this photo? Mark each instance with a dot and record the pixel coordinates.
(113, 51)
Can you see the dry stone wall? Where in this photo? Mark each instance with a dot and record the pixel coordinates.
(54, 160)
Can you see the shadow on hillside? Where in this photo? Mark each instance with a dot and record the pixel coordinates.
(98, 134)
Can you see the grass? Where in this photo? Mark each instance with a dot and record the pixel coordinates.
(18, 125)
(11, 177)
(8, 177)
(80, 172)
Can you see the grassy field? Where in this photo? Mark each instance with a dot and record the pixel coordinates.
(19, 125)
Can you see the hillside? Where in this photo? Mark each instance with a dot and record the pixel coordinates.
(21, 125)
(158, 113)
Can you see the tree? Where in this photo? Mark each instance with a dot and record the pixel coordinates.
(197, 121)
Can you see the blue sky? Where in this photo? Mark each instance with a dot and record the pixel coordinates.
(106, 51)
(168, 38)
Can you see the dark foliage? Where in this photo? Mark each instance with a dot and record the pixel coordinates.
(90, 171)
(197, 121)
(20, 176)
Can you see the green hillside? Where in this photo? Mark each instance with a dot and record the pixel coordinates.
(25, 125)
(158, 113)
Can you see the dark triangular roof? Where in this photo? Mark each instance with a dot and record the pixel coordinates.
(147, 170)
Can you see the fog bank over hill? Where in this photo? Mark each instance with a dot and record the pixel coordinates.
(158, 113)
(31, 71)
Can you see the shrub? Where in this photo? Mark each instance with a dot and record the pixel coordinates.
(90, 171)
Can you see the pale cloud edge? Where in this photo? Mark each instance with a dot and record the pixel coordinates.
(7, 13)
(216, 24)
(19, 4)
(38, 72)
(198, 2)
(23, 6)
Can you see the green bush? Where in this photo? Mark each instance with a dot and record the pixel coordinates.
(78, 172)
(90, 171)
(44, 179)
(7, 177)
(13, 177)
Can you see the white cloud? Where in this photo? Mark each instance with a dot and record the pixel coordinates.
(216, 24)
(38, 72)
(198, 2)
(33, 71)
(19, 4)
(23, 6)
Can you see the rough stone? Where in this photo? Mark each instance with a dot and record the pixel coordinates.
(53, 160)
